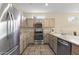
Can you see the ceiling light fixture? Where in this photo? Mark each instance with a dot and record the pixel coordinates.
(46, 4)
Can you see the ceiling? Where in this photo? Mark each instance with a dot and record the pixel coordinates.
(52, 7)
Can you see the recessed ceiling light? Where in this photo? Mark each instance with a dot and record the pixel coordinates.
(46, 4)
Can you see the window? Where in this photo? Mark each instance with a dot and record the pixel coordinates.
(38, 17)
(72, 18)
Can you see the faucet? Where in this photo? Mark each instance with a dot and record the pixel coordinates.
(75, 34)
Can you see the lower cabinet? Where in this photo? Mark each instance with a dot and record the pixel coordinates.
(23, 41)
(53, 43)
(26, 38)
(75, 49)
(21, 46)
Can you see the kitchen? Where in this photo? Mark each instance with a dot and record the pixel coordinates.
(48, 28)
(61, 22)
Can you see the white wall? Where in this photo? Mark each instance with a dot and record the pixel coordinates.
(63, 25)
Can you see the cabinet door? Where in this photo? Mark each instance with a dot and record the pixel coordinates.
(45, 35)
(49, 37)
(21, 43)
(75, 49)
(21, 46)
(55, 44)
(22, 40)
(52, 22)
(52, 43)
(30, 22)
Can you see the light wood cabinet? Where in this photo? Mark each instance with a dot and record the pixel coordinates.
(30, 22)
(23, 40)
(24, 24)
(53, 42)
(52, 22)
(30, 35)
(26, 38)
(45, 35)
(21, 45)
(49, 22)
(45, 23)
(75, 49)
(27, 34)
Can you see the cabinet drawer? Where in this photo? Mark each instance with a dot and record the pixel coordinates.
(75, 49)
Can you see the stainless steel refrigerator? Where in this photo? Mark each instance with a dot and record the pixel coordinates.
(9, 30)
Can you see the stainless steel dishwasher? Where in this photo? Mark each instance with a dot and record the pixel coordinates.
(63, 47)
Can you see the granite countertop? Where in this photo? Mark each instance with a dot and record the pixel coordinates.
(70, 38)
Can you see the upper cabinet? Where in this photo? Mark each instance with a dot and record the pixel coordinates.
(49, 22)
(75, 49)
(46, 23)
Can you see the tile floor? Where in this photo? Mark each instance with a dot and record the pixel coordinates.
(38, 50)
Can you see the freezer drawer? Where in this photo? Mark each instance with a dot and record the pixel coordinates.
(14, 39)
(4, 45)
(13, 51)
